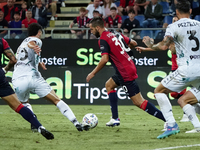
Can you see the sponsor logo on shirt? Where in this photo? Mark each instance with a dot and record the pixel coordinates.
(101, 47)
(194, 57)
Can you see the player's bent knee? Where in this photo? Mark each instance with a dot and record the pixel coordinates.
(182, 101)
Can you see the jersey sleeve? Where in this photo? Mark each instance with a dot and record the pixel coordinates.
(37, 41)
(169, 31)
(104, 47)
(5, 44)
(126, 39)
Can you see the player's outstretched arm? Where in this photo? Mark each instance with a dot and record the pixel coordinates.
(132, 44)
(12, 60)
(143, 49)
(163, 45)
(35, 47)
(101, 64)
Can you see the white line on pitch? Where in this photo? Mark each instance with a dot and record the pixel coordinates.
(176, 147)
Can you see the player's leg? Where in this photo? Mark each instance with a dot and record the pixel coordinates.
(65, 110)
(177, 95)
(27, 114)
(173, 82)
(43, 89)
(166, 109)
(28, 105)
(186, 101)
(22, 89)
(110, 87)
(197, 108)
(133, 91)
(164, 103)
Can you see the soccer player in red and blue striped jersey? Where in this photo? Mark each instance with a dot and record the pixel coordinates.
(114, 48)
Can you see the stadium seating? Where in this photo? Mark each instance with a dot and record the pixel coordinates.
(167, 19)
(156, 33)
(166, 8)
(146, 33)
(77, 1)
(70, 10)
(197, 17)
(63, 36)
(61, 23)
(195, 4)
(123, 18)
(117, 3)
(140, 18)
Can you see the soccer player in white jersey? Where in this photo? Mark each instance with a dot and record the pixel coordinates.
(26, 77)
(184, 33)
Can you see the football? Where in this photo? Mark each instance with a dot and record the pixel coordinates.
(91, 120)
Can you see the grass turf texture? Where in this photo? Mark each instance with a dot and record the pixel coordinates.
(138, 130)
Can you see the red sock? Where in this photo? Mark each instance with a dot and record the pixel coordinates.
(182, 92)
(174, 94)
(144, 105)
(113, 91)
(19, 108)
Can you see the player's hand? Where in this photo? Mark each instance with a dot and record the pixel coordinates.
(139, 49)
(148, 41)
(89, 77)
(42, 65)
(37, 49)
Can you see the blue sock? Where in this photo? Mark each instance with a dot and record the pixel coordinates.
(27, 114)
(152, 110)
(113, 103)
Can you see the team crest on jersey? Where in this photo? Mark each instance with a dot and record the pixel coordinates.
(102, 47)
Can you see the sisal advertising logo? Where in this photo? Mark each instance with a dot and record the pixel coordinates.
(67, 89)
(90, 57)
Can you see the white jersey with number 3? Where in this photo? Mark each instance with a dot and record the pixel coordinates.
(27, 59)
(186, 36)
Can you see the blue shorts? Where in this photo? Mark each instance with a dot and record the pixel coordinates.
(5, 88)
(131, 88)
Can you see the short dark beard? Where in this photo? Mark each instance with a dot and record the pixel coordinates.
(97, 33)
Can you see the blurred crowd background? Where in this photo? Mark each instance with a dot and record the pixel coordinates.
(69, 19)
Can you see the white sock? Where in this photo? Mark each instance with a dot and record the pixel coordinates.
(39, 129)
(190, 112)
(166, 108)
(67, 112)
(28, 105)
(197, 108)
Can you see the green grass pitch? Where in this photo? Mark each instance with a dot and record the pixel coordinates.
(138, 130)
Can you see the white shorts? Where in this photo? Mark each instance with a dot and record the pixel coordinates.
(26, 84)
(179, 80)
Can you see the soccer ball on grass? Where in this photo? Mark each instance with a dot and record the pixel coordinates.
(91, 120)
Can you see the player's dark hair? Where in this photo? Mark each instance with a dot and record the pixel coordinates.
(183, 6)
(33, 29)
(113, 8)
(131, 11)
(97, 21)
